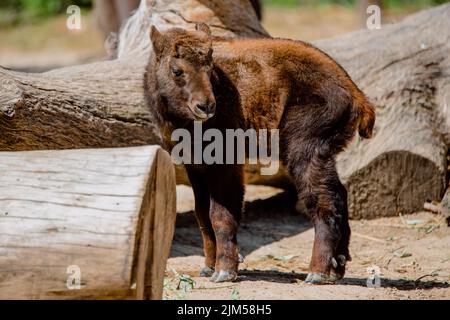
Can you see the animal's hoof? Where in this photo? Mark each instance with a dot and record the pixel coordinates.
(334, 263)
(334, 277)
(338, 270)
(342, 260)
(206, 272)
(320, 278)
(223, 276)
(214, 277)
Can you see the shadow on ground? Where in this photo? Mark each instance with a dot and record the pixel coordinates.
(292, 277)
(270, 219)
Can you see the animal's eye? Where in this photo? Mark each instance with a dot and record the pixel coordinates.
(177, 72)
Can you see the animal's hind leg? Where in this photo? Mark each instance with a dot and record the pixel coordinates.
(311, 136)
(342, 251)
(325, 197)
(332, 232)
(202, 205)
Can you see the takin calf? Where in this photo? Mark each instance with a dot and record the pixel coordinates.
(260, 84)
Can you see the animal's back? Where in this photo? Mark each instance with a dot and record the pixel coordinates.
(270, 74)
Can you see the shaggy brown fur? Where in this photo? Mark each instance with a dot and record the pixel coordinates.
(258, 84)
(258, 9)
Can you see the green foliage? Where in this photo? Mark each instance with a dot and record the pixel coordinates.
(51, 7)
(235, 294)
(18, 11)
(41, 7)
(412, 3)
(13, 12)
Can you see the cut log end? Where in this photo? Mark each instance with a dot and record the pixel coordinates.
(154, 239)
(85, 224)
(393, 183)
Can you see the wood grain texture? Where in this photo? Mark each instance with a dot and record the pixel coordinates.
(83, 208)
(158, 229)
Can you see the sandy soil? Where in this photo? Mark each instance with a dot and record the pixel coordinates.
(412, 253)
(48, 44)
(327, 21)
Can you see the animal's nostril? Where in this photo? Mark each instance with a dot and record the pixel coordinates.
(207, 108)
(203, 107)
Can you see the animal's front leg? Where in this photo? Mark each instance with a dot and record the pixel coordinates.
(202, 207)
(227, 195)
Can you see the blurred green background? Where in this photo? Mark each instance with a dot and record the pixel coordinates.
(34, 36)
(16, 11)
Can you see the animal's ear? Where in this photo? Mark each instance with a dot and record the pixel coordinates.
(203, 27)
(158, 42)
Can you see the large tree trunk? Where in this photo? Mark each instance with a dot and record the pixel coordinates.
(111, 14)
(403, 68)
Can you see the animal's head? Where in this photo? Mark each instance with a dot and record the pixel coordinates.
(183, 70)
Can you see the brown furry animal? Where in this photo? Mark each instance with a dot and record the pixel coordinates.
(264, 83)
(257, 7)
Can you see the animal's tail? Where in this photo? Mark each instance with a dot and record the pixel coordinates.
(366, 115)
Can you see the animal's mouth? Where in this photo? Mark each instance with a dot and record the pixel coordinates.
(201, 115)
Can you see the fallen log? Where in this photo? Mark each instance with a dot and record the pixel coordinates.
(85, 224)
(403, 68)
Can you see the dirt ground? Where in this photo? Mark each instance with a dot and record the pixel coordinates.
(322, 22)
(411, 252)
(48, 44)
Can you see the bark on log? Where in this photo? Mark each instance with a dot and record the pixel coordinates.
(111, 14)
(403, 68)
(101, 210)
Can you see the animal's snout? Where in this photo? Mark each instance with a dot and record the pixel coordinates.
(207, 107)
